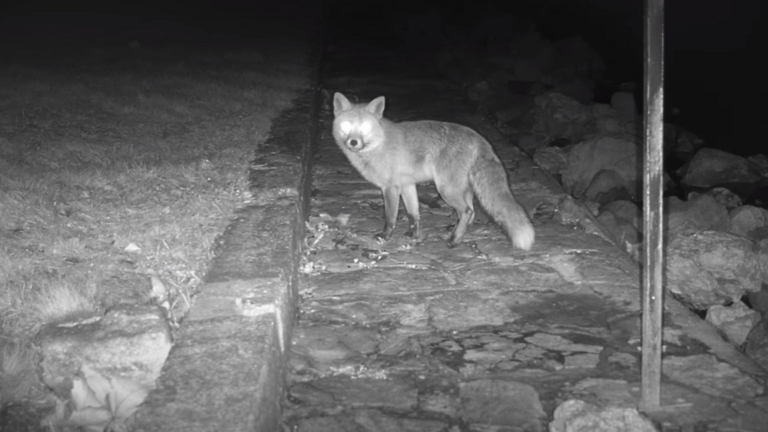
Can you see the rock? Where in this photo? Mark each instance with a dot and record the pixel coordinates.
(530, 143)
(608, 392)
(735, 321)
(722, 195)
(705, 373)
(756, 346)
(130, 342)
(550, 159)
(625, 106)
(558, 116)
(621, 231)
(592, 207)
(711, 167)
(608, 122)
(575, 415)
(762, 256)
(624, 360)
(699, 214)
(585, 361)
(626, 211)
(708, 268)
(559, 343)
(758, 300)
(760, 163)
(323, 349)
(588, 158)
(750, 221)
(444, 401)
(361, 392)
(367, 420)
(493, 402)
(607, 186)
(686, 145)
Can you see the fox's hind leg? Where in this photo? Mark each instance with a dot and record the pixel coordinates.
(460, 197)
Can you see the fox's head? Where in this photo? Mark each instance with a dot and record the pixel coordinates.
(357, 127)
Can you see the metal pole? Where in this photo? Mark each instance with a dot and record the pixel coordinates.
(652, 204)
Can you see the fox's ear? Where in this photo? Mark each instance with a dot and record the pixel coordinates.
(340, 103)
(376, 107)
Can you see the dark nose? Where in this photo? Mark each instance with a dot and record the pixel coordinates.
(354, 143)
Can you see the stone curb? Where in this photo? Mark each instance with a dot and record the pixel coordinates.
(226, 369)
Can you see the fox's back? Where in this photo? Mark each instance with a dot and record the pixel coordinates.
(442, 143)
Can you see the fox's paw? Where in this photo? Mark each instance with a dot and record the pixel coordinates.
(381, 237)
(416, 235)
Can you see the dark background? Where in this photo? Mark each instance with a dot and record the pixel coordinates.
(714, 48)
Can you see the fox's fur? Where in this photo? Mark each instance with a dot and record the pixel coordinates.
(397, 156)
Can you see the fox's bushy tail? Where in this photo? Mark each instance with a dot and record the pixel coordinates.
(489, 181)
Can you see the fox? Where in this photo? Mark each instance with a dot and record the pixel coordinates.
(396, 156)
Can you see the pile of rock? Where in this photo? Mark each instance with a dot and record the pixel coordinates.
(716, 229)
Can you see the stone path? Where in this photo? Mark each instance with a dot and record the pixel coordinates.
(408, 336)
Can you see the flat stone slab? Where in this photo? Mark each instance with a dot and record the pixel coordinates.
(492, 402)
(411, 334)
(356, 392)
(368, 421)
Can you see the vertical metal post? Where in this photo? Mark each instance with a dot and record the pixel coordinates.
(652, 204)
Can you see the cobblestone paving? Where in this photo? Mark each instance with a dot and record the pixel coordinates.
(416, 336)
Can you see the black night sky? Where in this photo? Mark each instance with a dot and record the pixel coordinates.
(714, 48)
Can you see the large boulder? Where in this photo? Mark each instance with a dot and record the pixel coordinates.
(722, 195)
(576, 415)
(735, 321)
(602, 153)
(558, 116)
(750, 221)
(625, 211)
(129, 342)
(698, 214)
(712, 167)
(607, 186)
(710, 268)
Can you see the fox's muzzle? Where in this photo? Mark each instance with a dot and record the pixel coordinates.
(355, 144)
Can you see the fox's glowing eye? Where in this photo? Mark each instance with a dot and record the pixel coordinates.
(345, 127)
(365, 128)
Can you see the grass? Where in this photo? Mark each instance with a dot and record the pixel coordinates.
(117, 164)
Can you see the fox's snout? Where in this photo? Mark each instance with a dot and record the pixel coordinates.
(354, 144)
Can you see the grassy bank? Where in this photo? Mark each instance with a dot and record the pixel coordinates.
(120, 165)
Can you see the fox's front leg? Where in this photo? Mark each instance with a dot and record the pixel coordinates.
(411, 201)
(391, 204)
